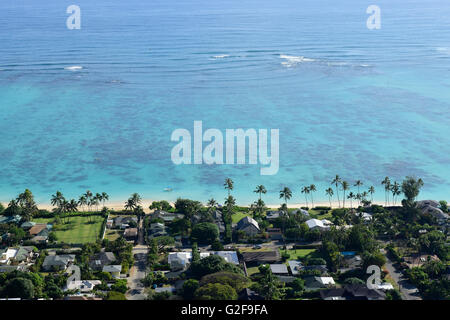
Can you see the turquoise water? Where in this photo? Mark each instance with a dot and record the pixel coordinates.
(363, 103)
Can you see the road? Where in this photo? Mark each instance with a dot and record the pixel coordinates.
(138, 271)
(407, 290)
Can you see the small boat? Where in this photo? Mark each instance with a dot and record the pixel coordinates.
(168, 189)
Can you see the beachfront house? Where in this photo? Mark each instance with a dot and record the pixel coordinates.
(248, 225)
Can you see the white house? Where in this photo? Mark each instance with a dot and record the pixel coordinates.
(82, 285)
(8, 255)
(181, 260)
(317, 224)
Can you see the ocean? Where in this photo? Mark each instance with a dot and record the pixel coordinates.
(94, 108)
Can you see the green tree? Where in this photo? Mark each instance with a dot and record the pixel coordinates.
(204, 233)
(216, 291)
(189, 288)
(20, 288)
(329, 193)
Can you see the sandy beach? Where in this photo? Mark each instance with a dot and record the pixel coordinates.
(119, 205)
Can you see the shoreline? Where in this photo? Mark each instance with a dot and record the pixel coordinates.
(119, 205)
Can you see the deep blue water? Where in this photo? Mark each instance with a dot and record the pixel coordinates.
(363, 103)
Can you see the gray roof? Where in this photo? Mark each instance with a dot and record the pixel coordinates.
(295, 266)
(245, 222)
(101, 259)
(112, 268)
(58, 260)
(279, 268)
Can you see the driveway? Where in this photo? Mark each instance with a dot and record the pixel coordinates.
(407, 289)
(138, 270)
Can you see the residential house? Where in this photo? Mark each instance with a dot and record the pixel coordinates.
(166, 216)
(101, 259)
(58, 262)
(259, 257)
(350, 262)
(114, 270)
(248, 295)
(26, 254)
(130, 234)
(7, 256)
(27, 225)
(315, 283)
(10, 219)
(218, 220)
(353, 292)
(156, 230)
(301, 212)
(181, 260)
(418, 260)
(124, 222)
(39, 229)
(295, 266)
(279, 269)
(82, 285)
(314, 224)
(275, 233)
(248, 225)
(272, 215)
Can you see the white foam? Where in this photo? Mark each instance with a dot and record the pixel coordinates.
(445, 50)
(294, 60)
(221, 56)
(74, 68)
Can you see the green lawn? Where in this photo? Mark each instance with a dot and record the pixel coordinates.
(315, 214)
(112, 235)
(76, 230)
(235, 218)
(302, 253)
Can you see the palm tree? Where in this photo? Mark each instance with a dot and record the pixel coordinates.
(345, 186)
(312, 188)
(229, 184)
(129, 204)
(57, 200)
(82, 201)
(395, 189)
(88, 196)
(136, 198)
(305, 190)
(358, 184)
(371, 191)
(260, 189)
(387, 186)
(94, 202)
(105, 197)
(351, 196)
(286, 194)
(336, 181)
(329, 193)
(212, 204)
(230, 202)
(258, 208)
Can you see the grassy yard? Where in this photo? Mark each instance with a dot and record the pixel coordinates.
(112, 235)
(252, 270)
(316, 214)
(235, 218)
(76, 230)
(300, 254)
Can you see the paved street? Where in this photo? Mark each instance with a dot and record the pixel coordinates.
(407, 290)
(137, 272)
